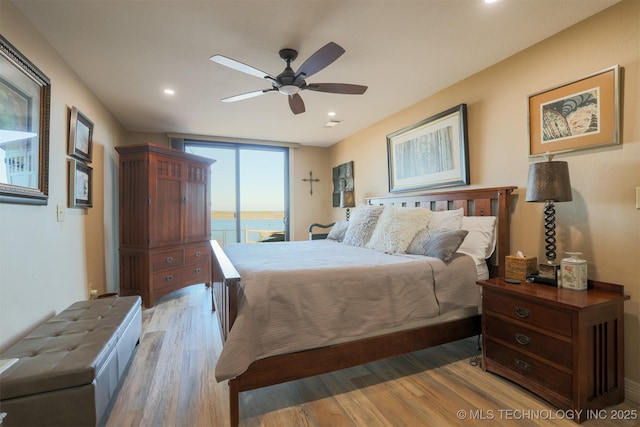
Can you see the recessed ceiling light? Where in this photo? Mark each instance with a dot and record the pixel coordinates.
(169, 92)
(490, 1)
(331, 113)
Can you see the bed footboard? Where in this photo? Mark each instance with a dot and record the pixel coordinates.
(224, 289)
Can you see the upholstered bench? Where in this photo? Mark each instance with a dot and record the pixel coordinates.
(68, 369)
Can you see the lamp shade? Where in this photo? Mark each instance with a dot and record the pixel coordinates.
(549, 182)
(347, 199)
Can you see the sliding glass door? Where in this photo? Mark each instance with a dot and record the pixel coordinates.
(249, 191)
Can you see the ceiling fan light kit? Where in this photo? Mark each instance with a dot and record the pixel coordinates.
(291, 83)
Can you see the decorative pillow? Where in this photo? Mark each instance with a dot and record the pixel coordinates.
(338, 231)
(397, 227)
(440, 244)
(446, 219)
(363, 221)
(480, 242)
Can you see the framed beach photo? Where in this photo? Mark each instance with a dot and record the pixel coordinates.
(577, 115)
(80, 143)
(80, 190)
(430, 154)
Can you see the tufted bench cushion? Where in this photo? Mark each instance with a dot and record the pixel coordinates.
(80, 354)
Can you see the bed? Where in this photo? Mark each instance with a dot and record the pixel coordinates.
(425, 326)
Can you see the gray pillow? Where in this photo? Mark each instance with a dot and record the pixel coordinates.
(440, 244)
(338, 231)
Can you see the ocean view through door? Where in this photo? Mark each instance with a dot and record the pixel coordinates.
(249, 191)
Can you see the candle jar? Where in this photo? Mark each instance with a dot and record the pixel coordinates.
(573, 271)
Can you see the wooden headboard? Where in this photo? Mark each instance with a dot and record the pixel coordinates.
(474, 202)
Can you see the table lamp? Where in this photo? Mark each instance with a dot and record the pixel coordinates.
(549, 183)
(347, 200)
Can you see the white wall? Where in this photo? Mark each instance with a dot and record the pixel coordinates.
(46, 265)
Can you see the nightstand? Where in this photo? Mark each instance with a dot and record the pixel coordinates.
(565, 346)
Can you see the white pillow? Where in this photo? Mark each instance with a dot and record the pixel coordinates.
(446, 219)
(480, 242)
(363, 221)
(338, 231)
(397, 227)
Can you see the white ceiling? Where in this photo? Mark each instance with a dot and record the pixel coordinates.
(128, 51)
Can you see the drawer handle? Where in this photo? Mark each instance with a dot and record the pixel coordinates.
(522, 364)
(169, 278)
(522, 312)
(169, 260)
(198, 254)
(523, 339)
(198, 270)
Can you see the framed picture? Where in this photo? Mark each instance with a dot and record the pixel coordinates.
(430, 154)
(577, 115)
(80, 184)
(80, 143)
(25, 103)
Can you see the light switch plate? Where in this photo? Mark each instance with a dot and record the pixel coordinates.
(60, 212)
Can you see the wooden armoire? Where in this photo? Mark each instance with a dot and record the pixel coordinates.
(165, 220)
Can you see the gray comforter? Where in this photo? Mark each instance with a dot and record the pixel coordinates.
(308, 294)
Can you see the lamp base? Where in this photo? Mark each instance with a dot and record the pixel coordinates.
(549, 271)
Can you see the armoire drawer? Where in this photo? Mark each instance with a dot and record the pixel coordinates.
(193, 273)
(532, 369)
(169, 259)
(528, 312)
(528, 340)
(197, 253)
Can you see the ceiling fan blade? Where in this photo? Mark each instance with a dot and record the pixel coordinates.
(246, 95)
(320, 59)
(343, 88)
(296, 103)
(239, 66)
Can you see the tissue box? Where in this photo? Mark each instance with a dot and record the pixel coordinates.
(520, 268)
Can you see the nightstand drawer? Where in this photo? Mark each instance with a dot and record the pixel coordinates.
(542, 316)
(528, 340)
(531, 369)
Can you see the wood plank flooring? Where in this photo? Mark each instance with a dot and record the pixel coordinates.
(171, 382)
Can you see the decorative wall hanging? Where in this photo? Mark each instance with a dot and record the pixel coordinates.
(430, 154)
(80, 190)
(342, 182)
(25, 102)
(577, 115)
(310, 180)
(80, 144)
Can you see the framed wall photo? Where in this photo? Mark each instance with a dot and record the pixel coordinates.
(430, 154)
(80, 190)
(25, 105)
(80, 143)
(577, 115)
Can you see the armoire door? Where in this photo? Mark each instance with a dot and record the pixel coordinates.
(166, 203)
(197, 224)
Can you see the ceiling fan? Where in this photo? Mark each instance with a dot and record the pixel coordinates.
(290, 83)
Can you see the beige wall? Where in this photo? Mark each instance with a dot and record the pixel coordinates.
(601, 221)
(46, 265)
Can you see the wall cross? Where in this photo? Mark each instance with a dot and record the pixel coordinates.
(310, 180)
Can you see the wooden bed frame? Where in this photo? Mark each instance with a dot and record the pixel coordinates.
(293, 366)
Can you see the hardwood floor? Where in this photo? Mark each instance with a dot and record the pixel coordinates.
(171, 382)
